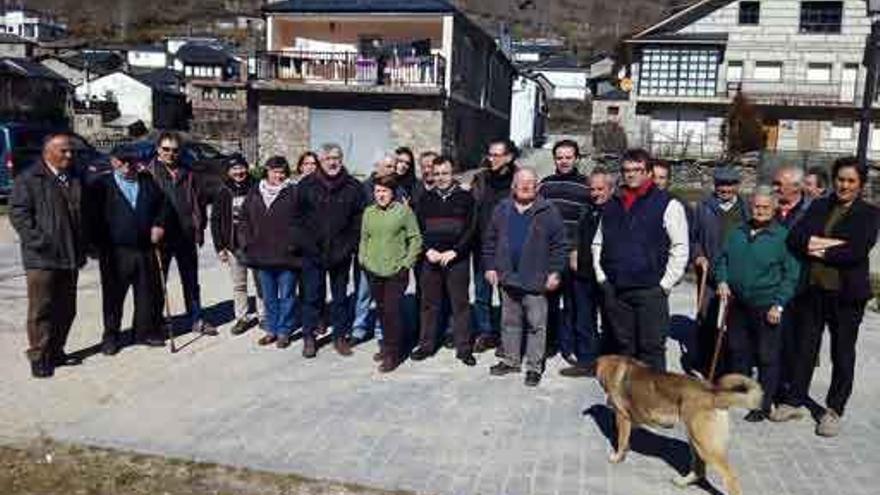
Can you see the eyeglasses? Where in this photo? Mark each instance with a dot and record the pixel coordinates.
(169, 149)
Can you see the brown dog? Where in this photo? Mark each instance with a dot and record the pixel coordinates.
(642, 396)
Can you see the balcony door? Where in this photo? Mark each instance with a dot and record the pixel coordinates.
(364, 135)
(848, 79)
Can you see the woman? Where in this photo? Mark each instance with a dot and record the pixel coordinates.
(307, 163)
(757, 269)
(405, 170)
(390, 244)
(267, 228)
(834, 239)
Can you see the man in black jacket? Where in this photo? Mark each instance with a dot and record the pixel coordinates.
(184, 226)
(447, 219)
(226, 219)
(328, 223)
(129, 218)
(46, 209)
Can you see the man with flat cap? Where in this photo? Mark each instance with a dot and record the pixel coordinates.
(129, 220)
(714, 218)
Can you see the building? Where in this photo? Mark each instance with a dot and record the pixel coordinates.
(136, 100)
(30, 92)
(528, 110)
(31, 24)
(798, 62)
(550, 58)
(198, 61)
(223, 113)
(13, 45)
(375, 75)
(147, 57)
(79, 65)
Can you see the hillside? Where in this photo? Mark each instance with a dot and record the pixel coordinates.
(587, 25)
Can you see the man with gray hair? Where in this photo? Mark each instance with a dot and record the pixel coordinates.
(757, 276)
(788, 186)
(329, 209)
(524, 253)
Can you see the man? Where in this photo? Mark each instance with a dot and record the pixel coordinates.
(184, 225)
(46, 209)
(489, 187)
(757, 269)
(714, 218)
(639, 253)
(226, 221)
(816, 183)
(426, 168)
(129, 224)
(585, 338)
(568, 191)
(524, 255)
(447, 220)
(660, 174)
(331, 203)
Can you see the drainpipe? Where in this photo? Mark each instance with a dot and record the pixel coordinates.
(870, 61)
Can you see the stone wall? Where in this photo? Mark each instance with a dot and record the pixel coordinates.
(282, 130)
(421, 130)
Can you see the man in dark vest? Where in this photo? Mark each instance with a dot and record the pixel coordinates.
(46, 209)
(639, 253)
(185, 224)
(129, 223)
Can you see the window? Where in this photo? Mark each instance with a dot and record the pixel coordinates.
(842, 129)
(679, 71)
(226, 93)
(734, 71)
(768, 71)
(613, 111)
(819, 72)
(821, 17)
(749, 13)
(207, 93)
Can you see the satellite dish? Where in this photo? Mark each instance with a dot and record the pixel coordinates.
(626, 84)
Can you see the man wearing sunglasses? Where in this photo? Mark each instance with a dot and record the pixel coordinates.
(185, 224)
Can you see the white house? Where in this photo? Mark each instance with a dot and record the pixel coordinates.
(528, 109)
(799, 62)
(147, 57)
(136, 100)
(31, 24)
(569, 79)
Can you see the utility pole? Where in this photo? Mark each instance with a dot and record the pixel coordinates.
(870, 95)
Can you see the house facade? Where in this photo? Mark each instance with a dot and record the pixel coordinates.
(528, 110)
(31, 24)
(29, 92)
(136, 100)
(798, 62)
(375, 75)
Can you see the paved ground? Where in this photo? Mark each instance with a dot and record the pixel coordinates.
(436, 427)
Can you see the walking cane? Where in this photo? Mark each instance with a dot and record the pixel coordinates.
(722, 329)
(701, 293)
(168, 326)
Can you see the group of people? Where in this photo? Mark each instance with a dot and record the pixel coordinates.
(559, 252)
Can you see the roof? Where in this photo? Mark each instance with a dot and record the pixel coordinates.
(361, 6)
(161, 79)
(11, 39)
(194, 53)
(99, 62)
(565, 61)
(706, 38)
(684, 17)
(23, 67)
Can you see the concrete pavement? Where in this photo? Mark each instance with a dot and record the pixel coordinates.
(433, 427)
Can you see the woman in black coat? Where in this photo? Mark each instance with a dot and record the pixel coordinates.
(833, 240)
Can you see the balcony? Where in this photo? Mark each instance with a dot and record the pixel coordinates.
(797, 92)
(351, 72)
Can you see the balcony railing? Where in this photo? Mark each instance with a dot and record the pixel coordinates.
(796, 92)
(351, 69)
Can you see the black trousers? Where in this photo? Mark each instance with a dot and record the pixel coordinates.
(754, 342)
(388, 293)
(187, 257)
(640, 321)
(843, 317)
(51, 310)
(436, 282)
(123, 268)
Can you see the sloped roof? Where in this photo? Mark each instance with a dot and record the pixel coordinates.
(28, 68)
(194, 53)
(360, 6)
(683, 17)
(12, 39)
(160, 79)
(564, 61)
(100, 63)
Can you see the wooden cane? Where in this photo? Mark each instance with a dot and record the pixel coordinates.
(722, 329)
(701, 293)
(169, 327)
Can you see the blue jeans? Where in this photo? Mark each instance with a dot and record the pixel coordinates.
(315, 276)
(482, 313)
(279, 296)
(583, 339)
(365, 320)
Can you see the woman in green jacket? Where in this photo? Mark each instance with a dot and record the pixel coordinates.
(390, 244)
(757, 275)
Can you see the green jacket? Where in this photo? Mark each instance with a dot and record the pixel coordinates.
(390, 239)
(760, 271)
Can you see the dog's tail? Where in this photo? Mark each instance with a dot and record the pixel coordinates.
(737, 391)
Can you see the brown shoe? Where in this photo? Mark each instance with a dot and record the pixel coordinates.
(283, 342)
(342, 346)
(267, 339)
(484, 343)
(389, 364)
(310, 347)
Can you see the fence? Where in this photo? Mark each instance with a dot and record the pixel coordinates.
(351, 68)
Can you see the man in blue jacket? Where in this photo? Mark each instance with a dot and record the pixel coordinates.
(524, 253)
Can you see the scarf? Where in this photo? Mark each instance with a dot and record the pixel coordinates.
(331, 183)
(270, 193)
(239, 188)
(726, 206)
(630, 196)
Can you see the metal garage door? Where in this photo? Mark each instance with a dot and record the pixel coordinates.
(364, 135)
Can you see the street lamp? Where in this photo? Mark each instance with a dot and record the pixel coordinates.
(872, 51)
